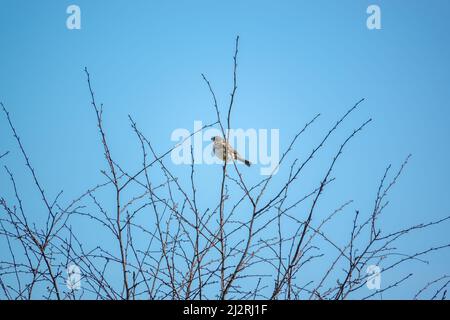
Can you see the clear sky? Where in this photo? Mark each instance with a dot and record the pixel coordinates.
(296, 59)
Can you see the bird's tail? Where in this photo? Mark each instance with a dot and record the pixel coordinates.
(247, 163)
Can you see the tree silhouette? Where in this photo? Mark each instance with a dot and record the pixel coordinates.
(165, 245)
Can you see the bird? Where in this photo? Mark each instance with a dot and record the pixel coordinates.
(223, 151)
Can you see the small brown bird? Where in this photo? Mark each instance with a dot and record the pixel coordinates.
(224, 151)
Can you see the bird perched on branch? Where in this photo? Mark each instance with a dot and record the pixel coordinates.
(224, 151)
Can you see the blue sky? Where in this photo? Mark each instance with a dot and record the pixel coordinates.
(296, 59)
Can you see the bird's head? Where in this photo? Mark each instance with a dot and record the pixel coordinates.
(216, 138)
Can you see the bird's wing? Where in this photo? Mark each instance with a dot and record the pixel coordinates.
(227, 147)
